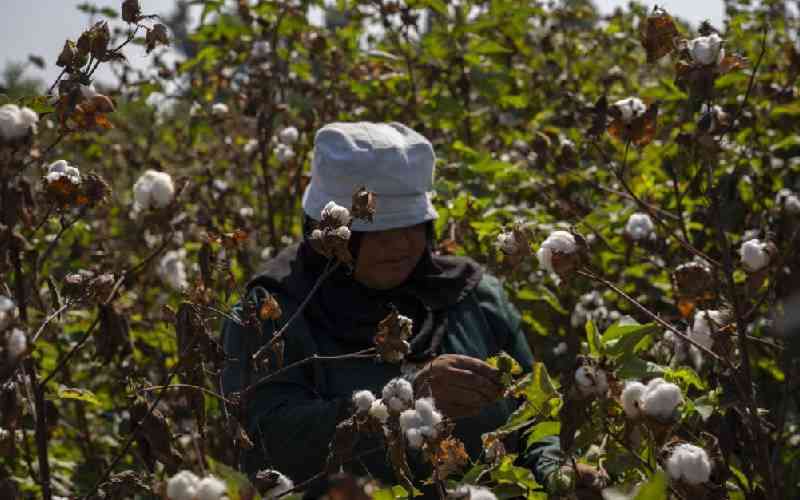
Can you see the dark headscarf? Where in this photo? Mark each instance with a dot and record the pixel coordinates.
(349, 311)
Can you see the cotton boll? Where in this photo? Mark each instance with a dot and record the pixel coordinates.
(363, 400)
(560, 242)
(631, 398)
(153, 190)
(754, 254)
(400, 388)
(660, 399)
(560, 349)
(172, 269)
(283, 484)
(701, 329)
(379, 411)
(414, 438)
(630, 108)
(707, 50)
(182, 486)
(211, 488)
(335, 214)
(507, 243)
(219, 109)
(396, 404)
(640, 227)
(8, 312)
(591, 381)
(284, 153)
(473, 493)
(789, 201)
(16, 343)
(261, 49)
(426, 410)
(342, 232)
(689, 463)
(16, 122)
(410, 419)
(59, 170)
(289, 135)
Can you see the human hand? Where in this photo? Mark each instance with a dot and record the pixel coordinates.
(460, 385)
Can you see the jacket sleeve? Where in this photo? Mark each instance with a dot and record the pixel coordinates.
(289, 423)
(544, 456)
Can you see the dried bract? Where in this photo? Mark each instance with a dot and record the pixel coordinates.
(363, 205)
(391, 341)
(657, 34)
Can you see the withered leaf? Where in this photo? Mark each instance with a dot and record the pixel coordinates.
(451, 457)
(391, 341)
(156, 36)
(131, 11)
(657, 34)
(270, 309)
(363, 204)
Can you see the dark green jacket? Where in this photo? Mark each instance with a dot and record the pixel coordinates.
(292, 419)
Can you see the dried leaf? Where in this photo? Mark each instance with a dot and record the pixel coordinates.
(391, 341)
(131, 11)
(450, 458)
(156, 36)
(657, 34)
(363, 204)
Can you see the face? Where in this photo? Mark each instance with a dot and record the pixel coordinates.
(386, 258)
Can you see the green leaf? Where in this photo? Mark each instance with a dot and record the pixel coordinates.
(542, 430)
(654, 489)
(593, 338)
(79, 394)
(686, 376)
(634, 367)
(620, 338)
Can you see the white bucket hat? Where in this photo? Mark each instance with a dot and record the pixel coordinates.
(389, 159)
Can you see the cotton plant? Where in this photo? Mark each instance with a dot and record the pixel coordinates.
(152, 191)
(219, 109)
(331, 236)
(630, 109)
(471, 492)
(706, 322)
(591, 306)
(421, 423)
(273, 484)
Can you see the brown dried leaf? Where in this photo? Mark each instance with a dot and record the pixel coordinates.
(391, 341)
(131, 11)
(450, 458)
(657, 34)
(156, 36)
(363, 204)
(270, 309)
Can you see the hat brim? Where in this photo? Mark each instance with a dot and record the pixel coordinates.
(391, 212)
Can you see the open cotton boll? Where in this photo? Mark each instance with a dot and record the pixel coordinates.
(473, 493)
(701, 329)
(640, 227)
(591, 381)
(284, 153)
(507, 243)
(363, 400)
(754, 254)
(16, 122)
(219, 109)
(788, 200)
(17, 343)
(60, 169)
(410, 419)
(335, 214)
(632, 398)
(559, 242)
(277, 483)
(660, 399)
(172, 269)
(707, 49)
(153, 189)
(399, 388)
(414, 438)
(289, 135)
(427, 411)
(211, 488)
(689, 463)
(8, 311)
(630, 108)
(379, 411)
(182, 486)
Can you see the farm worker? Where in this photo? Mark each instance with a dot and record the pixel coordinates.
(460, 314)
